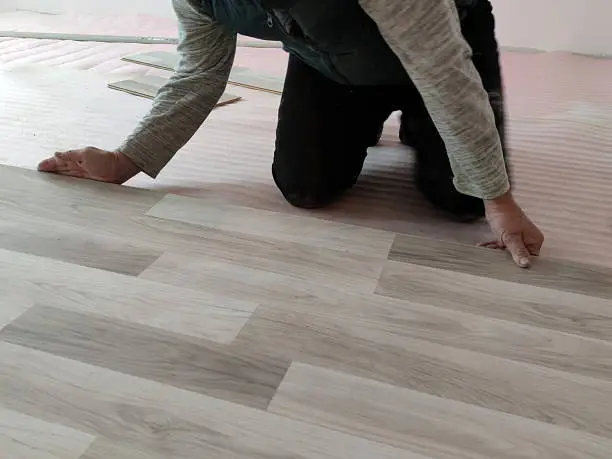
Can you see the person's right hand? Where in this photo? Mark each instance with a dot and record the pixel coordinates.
(513, 230)
(91, 163)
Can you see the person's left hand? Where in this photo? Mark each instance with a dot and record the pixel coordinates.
(513, 230)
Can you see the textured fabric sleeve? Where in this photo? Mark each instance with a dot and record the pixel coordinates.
(426, 37)
(206, 54)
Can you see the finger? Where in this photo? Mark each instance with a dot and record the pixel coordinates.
(72, 173)
(516, 247)
(61, 160)
(534, 249)
(66, 155)
(492, 245)
(48, 165)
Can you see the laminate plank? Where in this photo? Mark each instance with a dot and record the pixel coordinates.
(148, 86)
(239, 76)
(173, 422)
(64, 242)
(242, 76)
(24, 437)
(298, 261)
(162, 60)
(26, 280)
(372, 339)
(57, 197)
(103, 448)
(557, 274)
(153, 235)
(267, 259)
(543, 307)
(50, 216)
(433, 426)
(196, 365)
(237, 281)
(275, 225)
(523, 343)
(12, 305)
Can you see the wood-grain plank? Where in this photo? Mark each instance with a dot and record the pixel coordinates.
(148, 86)
(545, 272)
(66, 198)
(278, 226)
(129, 231)
(25, 437)
(236, 280)
(543, 307)
(373, 339)
(324, 266)
(65, 242)
(239, 76)
(197, 365)
(26, 280)
(389, 319)
(433, 426)
(12, 305)
(59, 217)
(147, 235)
(173, 422)
(103, 448)
(267, 260)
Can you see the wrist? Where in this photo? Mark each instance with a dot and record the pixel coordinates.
(125, 165)
(504, 200)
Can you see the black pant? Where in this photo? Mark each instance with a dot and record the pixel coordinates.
(325, 128)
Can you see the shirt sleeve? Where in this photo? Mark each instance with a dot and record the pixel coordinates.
(206, 54)
(426, 37)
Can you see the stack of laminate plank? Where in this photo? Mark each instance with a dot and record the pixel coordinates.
(148, 85)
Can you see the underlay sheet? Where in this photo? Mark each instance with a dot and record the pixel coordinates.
(54, 97)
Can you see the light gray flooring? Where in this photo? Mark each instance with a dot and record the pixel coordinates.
(137, 324)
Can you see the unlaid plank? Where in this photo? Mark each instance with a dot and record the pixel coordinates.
(148, 86)
(239, 76)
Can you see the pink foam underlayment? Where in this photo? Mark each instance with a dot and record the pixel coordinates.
(560, 116)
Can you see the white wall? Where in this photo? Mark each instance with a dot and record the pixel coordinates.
(153, 7)
(583, 26)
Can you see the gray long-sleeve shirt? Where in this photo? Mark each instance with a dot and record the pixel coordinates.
(424, 34)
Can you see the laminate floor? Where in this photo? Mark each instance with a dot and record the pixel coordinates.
(559, 136)
(139, 324)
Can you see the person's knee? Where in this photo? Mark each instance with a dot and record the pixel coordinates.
(311, 196)
(443, 195)
(306, 201)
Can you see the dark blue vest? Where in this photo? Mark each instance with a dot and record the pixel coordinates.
(336, 37)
